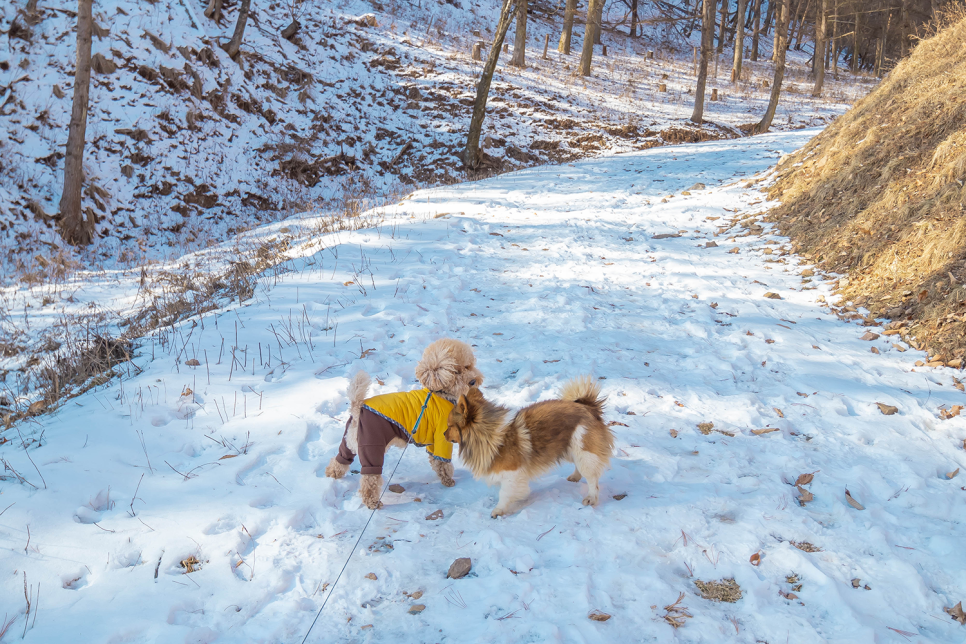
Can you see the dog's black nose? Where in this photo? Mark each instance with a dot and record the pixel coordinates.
(473, 382)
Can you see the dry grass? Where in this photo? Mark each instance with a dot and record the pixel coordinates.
(723, 590)
(880, 196)
(805, 546)
(676, 614)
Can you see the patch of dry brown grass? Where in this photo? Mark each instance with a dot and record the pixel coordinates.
(880, 195)
(723, 590)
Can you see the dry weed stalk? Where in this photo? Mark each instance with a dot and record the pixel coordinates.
(675, 614)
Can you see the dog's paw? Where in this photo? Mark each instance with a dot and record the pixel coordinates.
(448, 482)
(589, 501)
(335, 469)
(574, 478)
(498, 512)
(373, 505)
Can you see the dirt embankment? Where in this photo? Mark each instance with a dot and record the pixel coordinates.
(880, 196)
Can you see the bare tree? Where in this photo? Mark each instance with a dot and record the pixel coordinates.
(214, 10)
(520, 41)
(568, 27)
(234, 45)
(472, 155)
(756, 32)
(721, 30)
(595, 10)
(739, 42)
(707, 47)
(74, 228)
(821, 45)
(782, 18)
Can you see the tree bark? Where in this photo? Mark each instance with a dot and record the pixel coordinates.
(595, 10)
(835, 40)
(234, 45)
(597, 22)
(214, 10)
(769, 16)
(781, 32)
(568, 27)
(801, 25)
(634, 19)
(821, 46)
(520, 41)
(739, 42)
(707, 48)
(721, 29)
(904, 28)
(855, 43)
(73, 226)
(472, 155)
(756, 32)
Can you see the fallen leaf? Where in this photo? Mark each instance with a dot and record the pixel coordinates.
(787, 595)
(875, 350)
(415, 609)
(674, 433)
(365, 627)
(952, 475)
(705, 428)
(855, 504)
(614, 422)
(193, 362)
(898, 347)
(804, 479)
(598, 616)
(734, 251)
(619, 497)
(371, 576)
(416, 595)
(755, 559)
(433, 516)
(956, 612)
(779, 412)
(888, 410)
(398, 489)
(773, 296)
(856, 582)
(869, 336)
(946, 414)
(765, 430)
(804, 496)
(801, 394)
(227, 456)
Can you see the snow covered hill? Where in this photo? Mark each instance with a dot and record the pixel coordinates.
(186, 148)
(728, 377)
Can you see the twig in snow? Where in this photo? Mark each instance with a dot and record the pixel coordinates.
(7, 508)
(455, 598)
(146, 526)
(545, 533)
(905, 634)
(6, 625)
(252, 540)
(713, 557)
(26, 597)
(104, 529)
(734, 622)
(36, 608)
(144, 447)
(509, 616)
(280, 483)
(28, 542)
(133, 498)
(24, 443)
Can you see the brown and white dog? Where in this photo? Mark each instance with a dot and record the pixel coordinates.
(512, 451)
(447, 370)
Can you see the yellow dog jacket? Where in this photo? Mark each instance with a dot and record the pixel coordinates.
(402, 410)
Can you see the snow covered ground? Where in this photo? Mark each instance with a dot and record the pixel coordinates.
(604, 266)
(186, 148)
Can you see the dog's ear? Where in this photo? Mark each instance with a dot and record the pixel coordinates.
(461, 407)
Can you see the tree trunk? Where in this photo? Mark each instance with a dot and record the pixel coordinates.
(781, 31)
(769, 16)
(707, 48)
(775, 35)
(595, 10)
(234, 45)
(821, 46)
(634, 19)
(73, 226)
(214, 10)
(855, 43)
(568, 27)
(755, 33)
(835, 40)
(472, 155)
(801, 25)
(598, 22)
(881, 49)
(739, 42)
(721, 29)
(904, 28)
(520, 42)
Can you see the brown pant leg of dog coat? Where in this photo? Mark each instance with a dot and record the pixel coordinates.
(375, 433)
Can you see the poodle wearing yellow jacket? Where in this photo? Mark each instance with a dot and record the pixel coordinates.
(446, 371)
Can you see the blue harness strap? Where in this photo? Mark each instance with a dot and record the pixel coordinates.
(419, 419)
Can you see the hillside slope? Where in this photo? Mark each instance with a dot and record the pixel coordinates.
(879, 195)
(186, 148)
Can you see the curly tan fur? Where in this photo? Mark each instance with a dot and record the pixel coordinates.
(358, 388)
(369, 490)
(443, 470)
(448, 367)
(335, 469)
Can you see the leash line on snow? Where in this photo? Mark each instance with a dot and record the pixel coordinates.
(371, 514)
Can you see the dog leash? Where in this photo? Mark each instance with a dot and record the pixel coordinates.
(371, 514)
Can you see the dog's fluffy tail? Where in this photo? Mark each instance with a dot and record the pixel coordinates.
(584, 390)
(358, 388)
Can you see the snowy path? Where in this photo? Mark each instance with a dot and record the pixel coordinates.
(550, 273)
